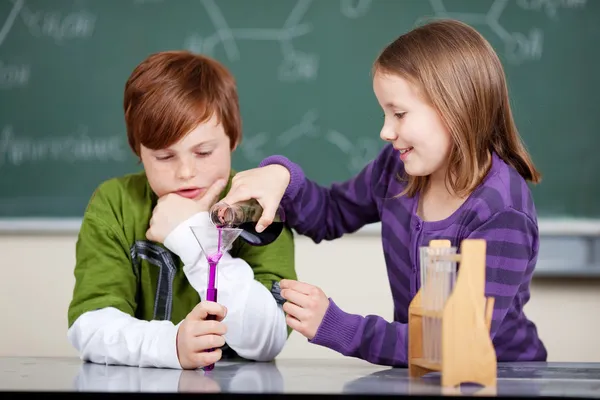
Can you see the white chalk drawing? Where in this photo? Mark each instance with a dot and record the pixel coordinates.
(355, 8)
(306, 127)
(295, 65)
(53, 24)
(550, 7)
(12, 75)
(17, 150)
(10, 19)
(359, 153)
(252, 146)
(58, 25)
(519, 47)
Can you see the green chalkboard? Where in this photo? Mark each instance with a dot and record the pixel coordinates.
(303, 70)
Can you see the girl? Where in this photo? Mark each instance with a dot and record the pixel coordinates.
(454, 168)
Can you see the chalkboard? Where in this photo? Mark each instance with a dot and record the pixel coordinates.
(303, 71)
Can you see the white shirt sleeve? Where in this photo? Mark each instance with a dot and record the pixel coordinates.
(110, 336)
(256, 327)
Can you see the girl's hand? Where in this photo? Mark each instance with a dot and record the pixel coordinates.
(305, 306)
(266, 184)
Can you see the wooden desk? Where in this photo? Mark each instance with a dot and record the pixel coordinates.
(286, 376)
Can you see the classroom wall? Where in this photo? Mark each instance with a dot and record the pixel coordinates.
(37, 280)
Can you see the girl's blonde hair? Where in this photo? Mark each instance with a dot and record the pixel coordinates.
(458, 72)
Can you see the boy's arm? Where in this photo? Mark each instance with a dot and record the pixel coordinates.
(323, 213)
(256, 327)
(101, 323)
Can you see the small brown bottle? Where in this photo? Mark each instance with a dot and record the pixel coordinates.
(244, 215)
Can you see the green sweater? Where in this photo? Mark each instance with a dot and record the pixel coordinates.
(116, 266)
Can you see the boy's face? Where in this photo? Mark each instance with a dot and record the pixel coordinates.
(190, 166)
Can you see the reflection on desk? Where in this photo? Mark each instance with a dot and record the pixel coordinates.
(244, 377)
(576, 380)
(345, 376)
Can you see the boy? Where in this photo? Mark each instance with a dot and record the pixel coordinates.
(140, 274)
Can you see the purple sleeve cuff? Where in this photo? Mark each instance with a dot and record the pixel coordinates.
(338, 330)
(296, 174)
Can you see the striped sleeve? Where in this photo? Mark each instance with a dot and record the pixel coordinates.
(512, 243)
(511, 253)
(327, 213)
(369, 338)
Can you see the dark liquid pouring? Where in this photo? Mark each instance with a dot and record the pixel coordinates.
(263, 238)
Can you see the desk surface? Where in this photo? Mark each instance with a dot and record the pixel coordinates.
(345, 376)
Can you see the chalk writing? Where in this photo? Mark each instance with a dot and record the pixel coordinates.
(519, 47)
(56, 25)
(17, 150)
(59, 26)
(550, 7)
(13, 75)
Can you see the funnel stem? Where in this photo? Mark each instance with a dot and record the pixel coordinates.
(212, 277)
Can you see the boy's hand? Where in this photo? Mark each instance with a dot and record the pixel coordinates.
(196, 335)
(305, 306)
(172, 209)
(266, 184)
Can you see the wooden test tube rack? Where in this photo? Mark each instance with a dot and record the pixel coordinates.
(467, 352)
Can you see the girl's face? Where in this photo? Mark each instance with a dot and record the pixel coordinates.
(413, 126)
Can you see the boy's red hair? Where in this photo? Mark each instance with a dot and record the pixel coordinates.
(170, 93)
